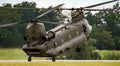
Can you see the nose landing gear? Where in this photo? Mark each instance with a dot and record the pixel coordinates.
(30, 59)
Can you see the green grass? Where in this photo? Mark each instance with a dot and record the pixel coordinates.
(107, 52)
(18, 54)
(13, 54)
(59, 64)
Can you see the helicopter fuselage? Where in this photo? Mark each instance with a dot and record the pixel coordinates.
(66, 36)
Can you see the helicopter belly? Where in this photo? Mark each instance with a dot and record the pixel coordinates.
(67, 45)
(35, 52)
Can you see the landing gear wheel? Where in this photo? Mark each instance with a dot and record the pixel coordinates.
(53, 59)
(78, 49)
(29, 58)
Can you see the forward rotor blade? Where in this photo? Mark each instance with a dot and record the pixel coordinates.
(54, 8)
(69, 9)
(11, 24)
(100, 4)
(54, 23)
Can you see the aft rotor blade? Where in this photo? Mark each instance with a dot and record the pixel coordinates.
(86, 9)
(54, 8)
(11, 24)
(100, 4)
(94, 9)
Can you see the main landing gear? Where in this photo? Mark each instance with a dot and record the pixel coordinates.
(53, 59)
(29, 58)
(78, 49)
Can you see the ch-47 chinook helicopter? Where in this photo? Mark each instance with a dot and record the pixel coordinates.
(65, 36)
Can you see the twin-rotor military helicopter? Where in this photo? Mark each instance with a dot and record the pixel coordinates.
(41, 43)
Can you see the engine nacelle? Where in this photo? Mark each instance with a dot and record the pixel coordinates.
(50, 35)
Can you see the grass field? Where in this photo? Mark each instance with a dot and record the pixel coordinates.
(18, 54)
(103, 53)
(13, 54)
(59, 64)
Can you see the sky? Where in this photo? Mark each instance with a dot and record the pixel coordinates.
(68, 3)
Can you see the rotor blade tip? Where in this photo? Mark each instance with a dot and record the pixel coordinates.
(61, 4)
(115, 0)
